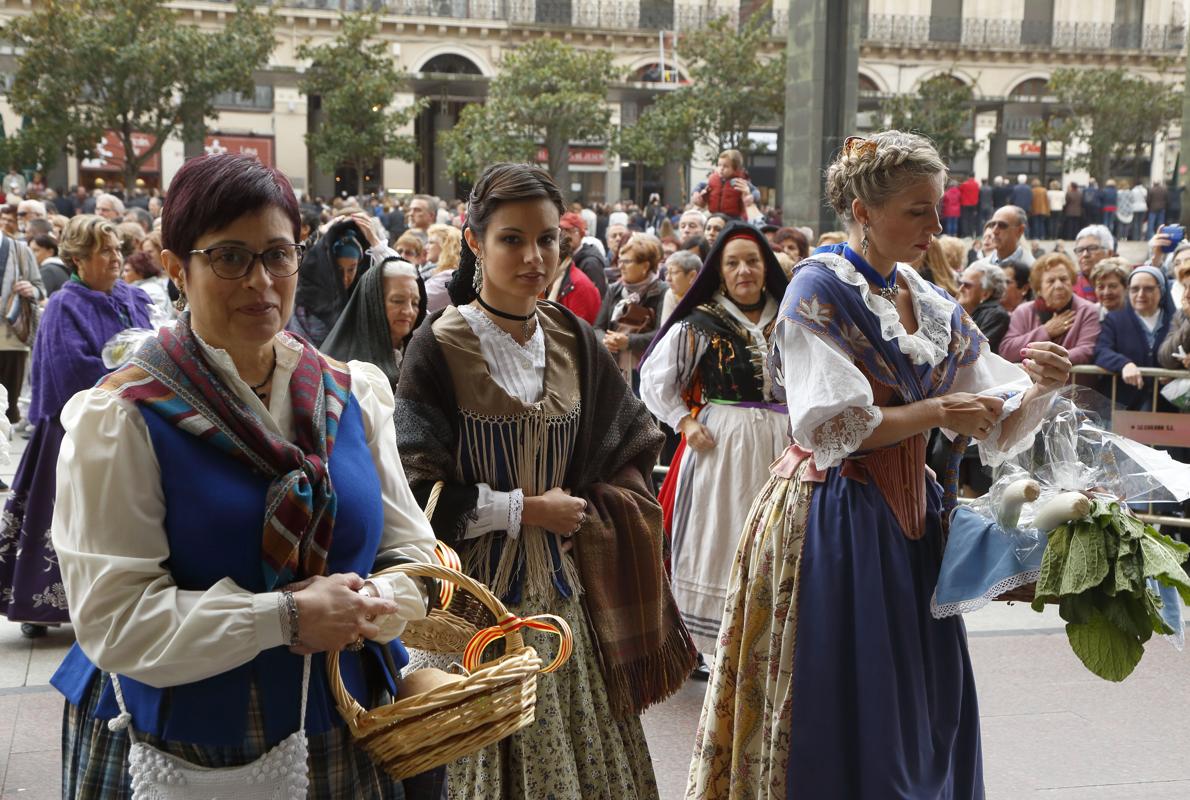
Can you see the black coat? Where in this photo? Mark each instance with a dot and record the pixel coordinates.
(321, 295)
(992, 320)
(591, 262)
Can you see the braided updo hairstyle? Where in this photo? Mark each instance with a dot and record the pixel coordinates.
(499, 184)
(877, 167)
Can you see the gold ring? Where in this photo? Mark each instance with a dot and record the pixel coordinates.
(357, 645)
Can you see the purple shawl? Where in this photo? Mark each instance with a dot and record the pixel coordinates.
(67, 353)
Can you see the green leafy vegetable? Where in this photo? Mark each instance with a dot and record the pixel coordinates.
(1097, 569)
(1104, 649)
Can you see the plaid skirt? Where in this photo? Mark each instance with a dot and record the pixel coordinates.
(95, 759)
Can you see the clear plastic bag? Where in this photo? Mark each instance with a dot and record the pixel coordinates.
(1075, 451)
(120, 349)
(1178, 393)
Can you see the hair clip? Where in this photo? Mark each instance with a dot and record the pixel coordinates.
(858, 146)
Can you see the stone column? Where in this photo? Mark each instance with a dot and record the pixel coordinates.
(443, 179)
(1182, 174)
(998, 148)
(820, 103)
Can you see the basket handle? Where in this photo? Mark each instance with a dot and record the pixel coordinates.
(443, 552)
(510, 624)
(458, 579)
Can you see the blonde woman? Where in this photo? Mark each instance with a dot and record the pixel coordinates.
(443, 245)
(831, 678)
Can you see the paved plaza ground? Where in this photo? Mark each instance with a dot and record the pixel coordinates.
(1051, 730)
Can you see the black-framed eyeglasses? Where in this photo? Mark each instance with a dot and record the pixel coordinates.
(1087, 248)
(231, 261)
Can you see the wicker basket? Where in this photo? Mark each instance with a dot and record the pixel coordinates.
(493, 701)
(1021, 594)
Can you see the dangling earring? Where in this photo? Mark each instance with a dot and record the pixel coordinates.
(180, 303)
(863, 243)
(477, 280)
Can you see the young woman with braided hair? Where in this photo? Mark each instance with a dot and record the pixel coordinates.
(832, 679)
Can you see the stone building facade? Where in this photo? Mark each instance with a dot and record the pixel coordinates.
(452, 48)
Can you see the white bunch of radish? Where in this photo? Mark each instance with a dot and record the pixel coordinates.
(1059, 509)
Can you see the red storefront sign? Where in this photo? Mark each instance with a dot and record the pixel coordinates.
(579, 156)
(259, 147)
(109, 153)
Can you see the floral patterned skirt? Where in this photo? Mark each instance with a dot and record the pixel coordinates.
(575, 749)
(741, 749)
(831, 678)
(30, 584)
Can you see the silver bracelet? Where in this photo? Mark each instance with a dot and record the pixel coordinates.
(288, 611)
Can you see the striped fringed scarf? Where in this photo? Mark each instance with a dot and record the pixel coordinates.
(170, 377)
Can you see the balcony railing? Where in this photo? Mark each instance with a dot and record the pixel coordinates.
(647, 15)
(903, 29)
(686, 15)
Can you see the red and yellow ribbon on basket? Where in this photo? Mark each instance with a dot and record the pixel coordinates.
(448, 558)
(510, 623)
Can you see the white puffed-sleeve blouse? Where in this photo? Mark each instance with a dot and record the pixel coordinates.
(831, 405)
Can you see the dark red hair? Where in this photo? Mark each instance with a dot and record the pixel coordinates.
(210, 192)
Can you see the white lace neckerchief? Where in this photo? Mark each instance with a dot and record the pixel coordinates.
(529, 352)
(931, 343)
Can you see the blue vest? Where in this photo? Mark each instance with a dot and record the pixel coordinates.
(214, 508)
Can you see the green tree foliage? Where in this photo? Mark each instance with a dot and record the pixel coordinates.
(663, 133)
(547, 93)
(356, 80)
(1116, 113)
(732, 87)
(940, 109)
(129, 66)
(731, 90)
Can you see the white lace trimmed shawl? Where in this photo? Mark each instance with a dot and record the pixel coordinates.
(831, 405)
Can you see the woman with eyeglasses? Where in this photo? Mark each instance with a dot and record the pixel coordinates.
(1055, 315)
(1131, 337)
(1094, 243)
(222, 499)
(78, 320)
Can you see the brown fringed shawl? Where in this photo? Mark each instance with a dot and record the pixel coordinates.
(644, 649)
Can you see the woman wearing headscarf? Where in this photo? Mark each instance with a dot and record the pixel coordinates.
(79, 319)
(327, 275)
(706, 375)
(388, 304)
(1130, 338)
(631, 309)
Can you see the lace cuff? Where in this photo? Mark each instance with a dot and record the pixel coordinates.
(516, 508)
(842, 434)
(496, 511)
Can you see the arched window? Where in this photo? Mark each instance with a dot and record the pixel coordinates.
(866, 85)
(451, 64)
(1031, 91)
